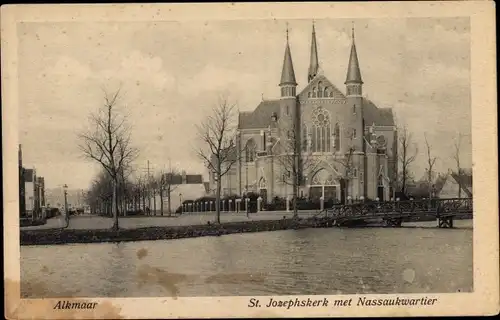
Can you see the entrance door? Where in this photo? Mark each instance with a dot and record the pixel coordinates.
(342, 191)
(263, 195)
(330, 193)
(315, 193)
(380, 193)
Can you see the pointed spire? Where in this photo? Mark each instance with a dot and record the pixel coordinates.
(353, 71)
(313, 64)
(287, 74)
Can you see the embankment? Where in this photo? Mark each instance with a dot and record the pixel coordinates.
(64, 236)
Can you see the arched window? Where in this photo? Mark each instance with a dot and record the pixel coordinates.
(354, 109)
(309, 94)
(314, 92)
(250, 150)
(320, 89)
(321, 130)
(336, 135)
(331, 94)
(326, 95)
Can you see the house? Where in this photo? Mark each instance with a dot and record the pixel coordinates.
(456, 185)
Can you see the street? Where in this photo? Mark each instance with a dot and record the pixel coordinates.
(99, 222)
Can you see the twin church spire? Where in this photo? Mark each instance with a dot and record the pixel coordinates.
(353, 78)
(313, 63)
(353, 71)
(287, 73)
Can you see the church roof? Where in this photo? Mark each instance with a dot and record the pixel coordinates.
(379, 116)
(260, 117)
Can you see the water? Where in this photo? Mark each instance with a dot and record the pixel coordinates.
(311, 261)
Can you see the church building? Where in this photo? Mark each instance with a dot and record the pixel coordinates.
(338, 144)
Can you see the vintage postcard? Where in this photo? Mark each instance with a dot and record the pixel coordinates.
(250, 160)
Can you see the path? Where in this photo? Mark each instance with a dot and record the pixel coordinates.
(98, 222)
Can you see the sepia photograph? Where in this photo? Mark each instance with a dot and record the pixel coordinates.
(300, 162)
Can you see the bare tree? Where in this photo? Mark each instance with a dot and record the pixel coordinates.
(217, 135)
(456, 157)
(345, 159)
(407, 154)
(292, 162)
(430, 167)
(108, 142)
(166, 185)
(141, 191)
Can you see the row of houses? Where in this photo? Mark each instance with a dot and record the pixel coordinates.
(31, 190)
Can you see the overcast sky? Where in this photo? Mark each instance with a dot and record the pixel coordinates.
(172, 73)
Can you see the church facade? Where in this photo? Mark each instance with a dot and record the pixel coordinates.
(338, 145)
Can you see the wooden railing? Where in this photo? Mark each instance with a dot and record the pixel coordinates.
(408, 207)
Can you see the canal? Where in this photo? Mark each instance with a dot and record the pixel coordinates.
(416, 259)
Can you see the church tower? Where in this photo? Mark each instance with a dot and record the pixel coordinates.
(354, 85)
(288, 85)
(289, 118)
(354, 130)
(313, 63)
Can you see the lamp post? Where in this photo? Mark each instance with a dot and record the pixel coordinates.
(66, 212)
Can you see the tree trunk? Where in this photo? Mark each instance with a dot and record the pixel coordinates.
(217, 198)
(114, 204)
(403, 183)
(154, 202)
(347, 191)
(161, 201)
(295, 185)
(143, 201)
(294, 196)
(169, 195)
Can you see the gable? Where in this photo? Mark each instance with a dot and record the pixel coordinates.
(322, 82)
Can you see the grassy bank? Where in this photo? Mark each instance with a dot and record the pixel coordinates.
(64, 236)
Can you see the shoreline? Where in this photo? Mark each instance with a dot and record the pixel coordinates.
(67, 236)
(61, 236)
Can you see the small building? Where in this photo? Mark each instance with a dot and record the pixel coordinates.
(31, 189)
(456, 186)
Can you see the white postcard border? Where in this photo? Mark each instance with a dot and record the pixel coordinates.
(484, 299)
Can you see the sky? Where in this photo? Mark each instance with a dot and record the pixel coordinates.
(172, 73)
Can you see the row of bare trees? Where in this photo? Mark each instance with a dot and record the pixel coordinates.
(132, 195)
